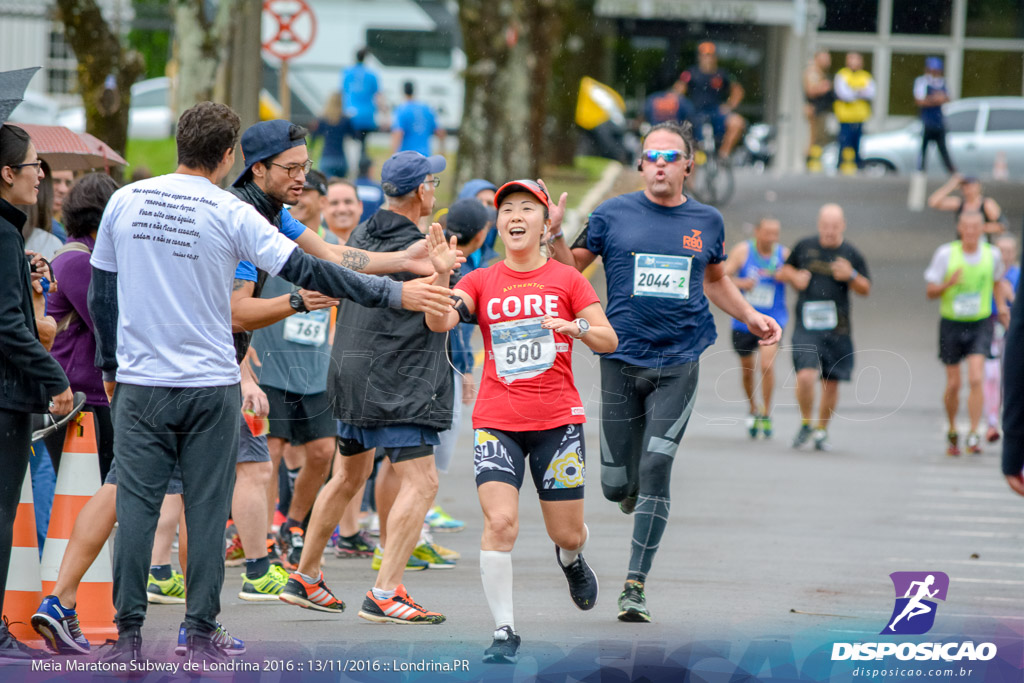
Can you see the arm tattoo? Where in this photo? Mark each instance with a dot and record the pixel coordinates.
(355, 259)
(238, 284)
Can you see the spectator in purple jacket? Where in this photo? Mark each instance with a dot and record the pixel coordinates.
(75, 347)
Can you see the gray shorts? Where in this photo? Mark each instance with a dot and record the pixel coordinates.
(174, 486)
(251, 448)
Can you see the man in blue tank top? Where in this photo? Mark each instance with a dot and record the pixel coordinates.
(754, 266)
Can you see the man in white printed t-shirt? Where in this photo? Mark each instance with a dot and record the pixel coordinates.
(163, 265)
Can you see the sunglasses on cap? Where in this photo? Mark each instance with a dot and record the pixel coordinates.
(669, 155)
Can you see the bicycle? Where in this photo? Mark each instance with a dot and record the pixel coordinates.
(712, 181)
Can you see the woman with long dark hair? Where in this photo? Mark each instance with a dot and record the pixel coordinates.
(75, 346)
(31, 380)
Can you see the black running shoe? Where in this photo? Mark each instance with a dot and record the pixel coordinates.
(206, 658)
(633, 603)
(504, 649)
(13, 651)
(291, 540)
(582, 581)
(125, 650)
(803, 436)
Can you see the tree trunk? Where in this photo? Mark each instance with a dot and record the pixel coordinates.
(578, 52)
(196, 53)
(106, 70)
(217, 58)
(241, 64)
(496, 138)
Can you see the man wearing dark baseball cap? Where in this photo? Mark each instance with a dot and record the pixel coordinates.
(406, 171)
(276, 167)
(399, 357)
(275, 174)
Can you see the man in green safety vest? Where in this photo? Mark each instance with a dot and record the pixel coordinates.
(967, 277)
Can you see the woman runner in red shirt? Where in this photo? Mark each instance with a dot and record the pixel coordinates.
(528, 413)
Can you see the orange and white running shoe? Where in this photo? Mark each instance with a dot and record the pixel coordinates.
(311, 595)
(399, 609)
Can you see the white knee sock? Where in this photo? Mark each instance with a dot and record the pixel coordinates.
(496, 575)
(567, 557)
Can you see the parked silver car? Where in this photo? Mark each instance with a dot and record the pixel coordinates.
(978, 129)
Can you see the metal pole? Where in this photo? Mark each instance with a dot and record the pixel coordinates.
(283, 91)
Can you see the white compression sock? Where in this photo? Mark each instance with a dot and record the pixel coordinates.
(496, 575)
(567, 557)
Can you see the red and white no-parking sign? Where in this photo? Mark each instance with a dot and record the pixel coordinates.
(289, 28)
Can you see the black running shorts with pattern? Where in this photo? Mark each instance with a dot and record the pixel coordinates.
(556, 459)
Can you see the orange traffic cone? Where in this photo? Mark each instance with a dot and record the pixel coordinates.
(23, 593)
(77, 481)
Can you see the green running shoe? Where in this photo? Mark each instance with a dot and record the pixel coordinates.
(266, 588)
(633, 603)
(439, 520)
(414, 564)
(427, 552)
(167, 592)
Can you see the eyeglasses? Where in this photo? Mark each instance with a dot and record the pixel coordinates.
(36, 163)
(433, 181)
(669, 155)
(293, 169)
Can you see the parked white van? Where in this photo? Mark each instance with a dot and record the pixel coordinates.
(410, 40)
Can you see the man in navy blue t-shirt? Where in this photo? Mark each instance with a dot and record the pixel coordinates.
(929, 95)
(663, 261)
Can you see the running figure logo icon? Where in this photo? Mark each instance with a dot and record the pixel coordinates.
(914, 612)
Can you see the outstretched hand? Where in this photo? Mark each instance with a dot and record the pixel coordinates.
(443, 253)
(418, 258)
(556, 212)
(423, 295)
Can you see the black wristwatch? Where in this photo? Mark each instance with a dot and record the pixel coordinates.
(296, 302)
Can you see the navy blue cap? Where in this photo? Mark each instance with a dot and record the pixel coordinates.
(466, 218)
(933, 63)
(405, 171)
(263, 140)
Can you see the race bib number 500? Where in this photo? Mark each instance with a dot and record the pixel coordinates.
(522, 348)
(662, 276)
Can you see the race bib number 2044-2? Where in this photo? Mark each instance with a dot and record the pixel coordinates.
(662, 276)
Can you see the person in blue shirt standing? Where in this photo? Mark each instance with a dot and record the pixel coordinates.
(753, 265)
(333, 127)
(664, 261)
(929, 95)
(359, 88)
(413, 124)
(371, 194)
